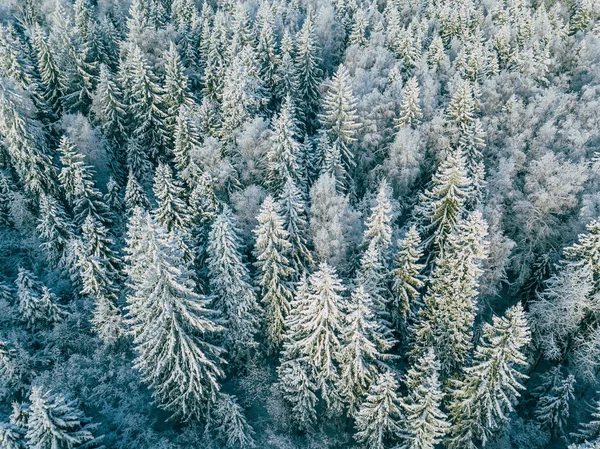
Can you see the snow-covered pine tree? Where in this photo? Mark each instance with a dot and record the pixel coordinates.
(359, 28)
(308, 71)
(175, 91)
(55, 422)
(410, 109)
(339, 118)
(138, 160)
(229, 282)
(490, 387)
(52, 79)
(283, 154)
(113, 197)
(216, 59)
(169, 322)
(286, 76)
(271, 250)
(378, 225)
(37, 304)
(6, 198)
(445, 323)
(379, 417)
(363, 338)
(54, 227)
(266, 53)
(442, 204)
(589, 430)
(134, 194)
(171, 211)
(230, 423)
(424, 423)
(407, 279)
(295, 221)
(108, 107)
(11, 436)
(554, 396)
(186, 141)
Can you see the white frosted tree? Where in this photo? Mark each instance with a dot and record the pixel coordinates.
(271, 251)
(55, 422)
(170, 322)
(554, 395)
(171, 211)
(286, 75)
(424, 423)
(37, 304)
(229, 282)
(590, 430)
(410, 109)
(481, 400)
(308, 71)
(186, 141)
(108, 107)
(175, 90)
(54, 227)
(379, 417)
(230, 423)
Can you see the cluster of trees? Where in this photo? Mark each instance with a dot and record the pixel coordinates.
(299, 223)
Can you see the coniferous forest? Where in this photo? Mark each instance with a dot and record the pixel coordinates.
(290, 224)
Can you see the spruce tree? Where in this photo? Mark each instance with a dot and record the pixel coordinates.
(424, 422)
(378, 230)
(52, 78)
(108, 107)
(407, 279)
(6, 199)
(231, 425)
(589, 430)
(442, 204)
(186, 141)
(379, 417)
(271, 250)
(37, 305)
(359, 28)
(410, 109)
(552, 408)
(362, 340)
(446, 321)
(267, 56)
(480, 401)
(54, 227)
(171, 211)
(282, 157)
(169, 322)
(286, 75)
(175, 91)
(308, 71)
(339, 117)
(134, 194)
(229, 282)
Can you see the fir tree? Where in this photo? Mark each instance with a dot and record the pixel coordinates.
(55, 423)
(490, 387)
(362, 339)
(591, 429)
(267, 56)
(52, 79)
(108, 107)
(229, 283)
(171, 212)
(134, 194)
(11, 437)
(169, 322)
(378, 230)
(37, 304)
(138, 162)
(6, 198)
(286, 75)
(410, 110)
(407, 279)
(552, 408)
(175, 92)
(359, 28)
(378, 420)
(186, 141)
(55, 228)
(271, 251)
(339, 117)
(232, 427)
(424, 423)
(308, 71)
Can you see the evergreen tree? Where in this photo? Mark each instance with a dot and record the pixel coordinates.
(591, 429)
(186, 141)
(282, 157)
(359, 28)
(442, 204)
(295, 222)
(378, 420)
(52, 79)
(490, 387)
(55, 228)
(171, 212)
(286, 75)
(169, 322)
(229, 283)
(339, 117)
(6, 198)
(108, 107)
(138, 162)
(553, 403)
(424, 423)
(11, 437)
(410, 109)
(112, 197)
(37, 305)
(360, 355)
(267, 56)
(446, 320)
(175, 92)
(378, 230)
(407, 279)
(134, 194)
(232, 426)
(274, 272)
(308, 71)
(55, 423)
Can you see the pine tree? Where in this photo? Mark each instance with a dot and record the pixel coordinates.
(171, 212)
(424, 423)
(407, 280)
(108, 107)
(282, 157)
(52, 79)
(134, 194)
(490, 387)
(267, 56)
(446, 321)
(37, 305)
(378, 420)
(55, 423)
(378, 230)
(169, 322)
(553, 404)
(229, 283)
(11, 437)
(339, 117)
(186, 141)
(362, 340)
(6, 198)
(443, 203)
(295, 221)
(591, 429)
(286, 75)
(232, 427)
(274, 272)
(359, 28)
(55, 228)
(410, 109)
(138, 162)
(175, 91)
(308, 71)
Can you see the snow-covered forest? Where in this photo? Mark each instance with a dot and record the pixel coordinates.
(291, 224)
